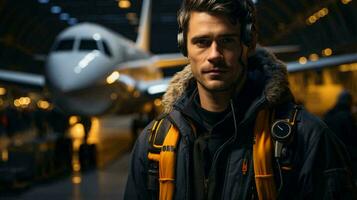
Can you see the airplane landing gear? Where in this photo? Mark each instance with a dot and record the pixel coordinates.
(87, 152)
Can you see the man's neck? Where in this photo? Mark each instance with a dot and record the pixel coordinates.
(214, 101)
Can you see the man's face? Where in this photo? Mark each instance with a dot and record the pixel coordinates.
(214, 51)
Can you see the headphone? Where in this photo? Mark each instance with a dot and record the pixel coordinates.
(246, 31)
(282, 132)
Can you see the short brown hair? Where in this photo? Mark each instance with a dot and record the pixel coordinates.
(242, 11)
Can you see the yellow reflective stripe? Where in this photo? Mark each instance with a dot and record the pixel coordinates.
(264, 176)
(152, 129)
(263, 157)
(157, 128)
(287, 168)
(154, 156)
(167, 165)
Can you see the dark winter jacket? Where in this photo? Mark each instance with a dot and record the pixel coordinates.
(314, 164)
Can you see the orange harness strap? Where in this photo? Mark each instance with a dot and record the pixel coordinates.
(167, 164)
(263, 157)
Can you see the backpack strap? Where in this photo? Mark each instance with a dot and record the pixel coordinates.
(163, 142)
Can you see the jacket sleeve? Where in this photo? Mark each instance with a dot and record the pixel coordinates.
(325, 172)
(137, 178)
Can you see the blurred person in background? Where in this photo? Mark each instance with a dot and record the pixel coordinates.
(341, 121)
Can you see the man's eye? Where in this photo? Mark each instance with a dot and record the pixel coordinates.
(203, 42)
(225, 41)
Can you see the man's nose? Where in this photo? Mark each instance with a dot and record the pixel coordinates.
(215, 54)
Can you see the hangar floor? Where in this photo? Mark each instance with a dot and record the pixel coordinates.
(112, 140)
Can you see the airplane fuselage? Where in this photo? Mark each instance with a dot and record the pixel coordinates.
(79, 64)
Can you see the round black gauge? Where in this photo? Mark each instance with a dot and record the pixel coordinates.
(281, 130)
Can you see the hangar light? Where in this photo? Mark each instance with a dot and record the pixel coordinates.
(16, 103)
(2, 91)
(4, 155)
(113, 77)
(77, 131)
(55, 9)
(64, 16)
(316, 16)
(72, 21)
(22, 102)
(43, 1)
(73, 120)
(76, 167)
(327, 52)
(348, 67)
(157, 102)
(302, 60)
(314, 57)
(76, 179)
(43, 104)
(124, 4)
(346, 1)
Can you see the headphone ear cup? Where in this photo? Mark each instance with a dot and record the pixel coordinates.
(247, 26)
(246, 34)
(181, 43)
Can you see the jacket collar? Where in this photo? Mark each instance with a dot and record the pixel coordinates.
(263, 67)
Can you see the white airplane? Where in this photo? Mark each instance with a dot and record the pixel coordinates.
(91, 70)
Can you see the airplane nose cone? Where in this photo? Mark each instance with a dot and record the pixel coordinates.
(68, 71)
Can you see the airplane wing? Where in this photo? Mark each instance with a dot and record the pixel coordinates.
(22, 78)
(155, 88)
(158, 61)
(323, 62)
(169, 60)
(150, 87)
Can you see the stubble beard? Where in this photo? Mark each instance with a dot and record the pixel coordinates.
(223, 88)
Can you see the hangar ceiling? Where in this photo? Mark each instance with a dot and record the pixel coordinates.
(29, 27)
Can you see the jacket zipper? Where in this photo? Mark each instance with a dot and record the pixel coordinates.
(205, 182)
(215, 157)
(219, 150)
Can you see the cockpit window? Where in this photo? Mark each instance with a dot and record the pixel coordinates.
(106, 49)
(88, 44)
(64, 45)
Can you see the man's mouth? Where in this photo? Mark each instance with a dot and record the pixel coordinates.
(215, 71)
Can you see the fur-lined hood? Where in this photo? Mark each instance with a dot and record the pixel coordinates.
(274, 71)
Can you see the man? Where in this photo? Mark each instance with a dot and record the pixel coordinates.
(223, 105)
